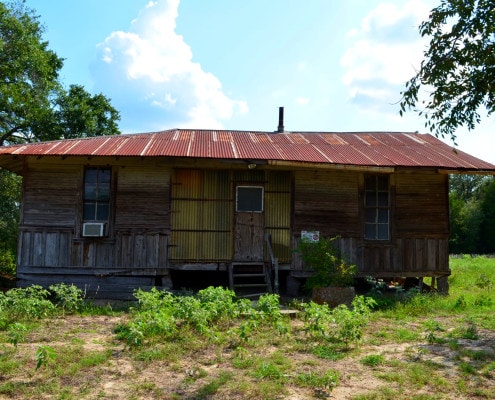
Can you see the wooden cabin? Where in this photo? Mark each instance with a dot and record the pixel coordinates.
(190, 208)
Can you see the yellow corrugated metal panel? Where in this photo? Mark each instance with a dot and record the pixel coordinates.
(277, 210)
(281, 244)
(188, 184)
(200, 246)
(279, 181)
(201, 216)
(278, 213)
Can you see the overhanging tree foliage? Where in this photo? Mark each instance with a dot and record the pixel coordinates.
(34, 105)
(458, 69)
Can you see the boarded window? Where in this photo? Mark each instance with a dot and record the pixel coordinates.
(376, 207)
(249, 199)
(96, 202)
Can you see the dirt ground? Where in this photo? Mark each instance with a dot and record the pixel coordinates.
(121, 376)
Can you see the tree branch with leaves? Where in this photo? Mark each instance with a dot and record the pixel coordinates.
(456, 79)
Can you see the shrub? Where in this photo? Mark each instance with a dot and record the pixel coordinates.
(341, 324)
(24, 303)
(7, 262)
(69, 297)
(329, 268)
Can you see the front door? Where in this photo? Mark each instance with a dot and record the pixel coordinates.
(249, 223)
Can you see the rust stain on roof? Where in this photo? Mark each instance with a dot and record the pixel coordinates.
(357, 148)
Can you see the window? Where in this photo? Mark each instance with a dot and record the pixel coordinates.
(249, 199)
(97, 194)
(376, 207)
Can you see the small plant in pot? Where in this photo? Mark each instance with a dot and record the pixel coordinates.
(332, 277)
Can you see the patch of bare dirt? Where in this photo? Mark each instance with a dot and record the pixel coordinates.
(121, 376)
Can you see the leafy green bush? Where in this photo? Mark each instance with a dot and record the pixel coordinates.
(17, 333)
(69, 297)
(7, 262)
(268, 306)
(341, 324)
(24, 304)
(161, 314)
(323, 257)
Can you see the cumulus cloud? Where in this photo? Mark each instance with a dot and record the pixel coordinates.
(383, 54)
(149, 74)
(302, 101)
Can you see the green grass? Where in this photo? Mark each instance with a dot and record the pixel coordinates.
(211, 346)
(373, 360)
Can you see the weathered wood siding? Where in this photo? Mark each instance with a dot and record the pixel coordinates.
(51, 248)
(142, 198)
(331, 202)
(164, 213)
(421, 205)
(51, 195)
(327, 201)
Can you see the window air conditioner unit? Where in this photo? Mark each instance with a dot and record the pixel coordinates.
(93, 229)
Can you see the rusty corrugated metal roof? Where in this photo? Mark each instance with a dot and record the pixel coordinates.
(379, 149)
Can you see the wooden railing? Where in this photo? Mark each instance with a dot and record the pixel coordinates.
(273, 262)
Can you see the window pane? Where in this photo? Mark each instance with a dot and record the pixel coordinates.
(249, 199)
(382, 231)
(102, 211)
(383, 183)
(90, 191)
(104, 192)
(91, 175)
(89, 212)
(370, 231)
(370, 215)
(383, 216)
(104, 175)
(383, 199)
(370, 199)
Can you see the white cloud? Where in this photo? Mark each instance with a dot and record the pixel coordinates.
(302, 100)
(384, 51)
(148, 71)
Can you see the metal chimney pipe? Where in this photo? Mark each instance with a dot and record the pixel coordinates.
(280, 120)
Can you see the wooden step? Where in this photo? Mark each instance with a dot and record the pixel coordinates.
(249, 275)
(244, 276)
(250, 285)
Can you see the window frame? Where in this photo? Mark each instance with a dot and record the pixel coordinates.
(98, 201)
(378, 206)
(261, 209)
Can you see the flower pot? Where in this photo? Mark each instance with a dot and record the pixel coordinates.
(334, 295)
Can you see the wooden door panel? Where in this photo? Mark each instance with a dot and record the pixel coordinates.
(248, 236)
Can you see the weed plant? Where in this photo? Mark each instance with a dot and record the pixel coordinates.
(218, 346)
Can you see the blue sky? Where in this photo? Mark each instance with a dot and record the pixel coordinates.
(229, 64)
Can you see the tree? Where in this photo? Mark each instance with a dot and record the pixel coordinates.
(466, 218)
(34, 105)
(467, 187)
(458, 67)
(487, 226)
(9, 216)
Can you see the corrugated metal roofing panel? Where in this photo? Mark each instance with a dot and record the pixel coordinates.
(351, 148)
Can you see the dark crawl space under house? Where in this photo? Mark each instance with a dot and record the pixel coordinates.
(183, 208)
